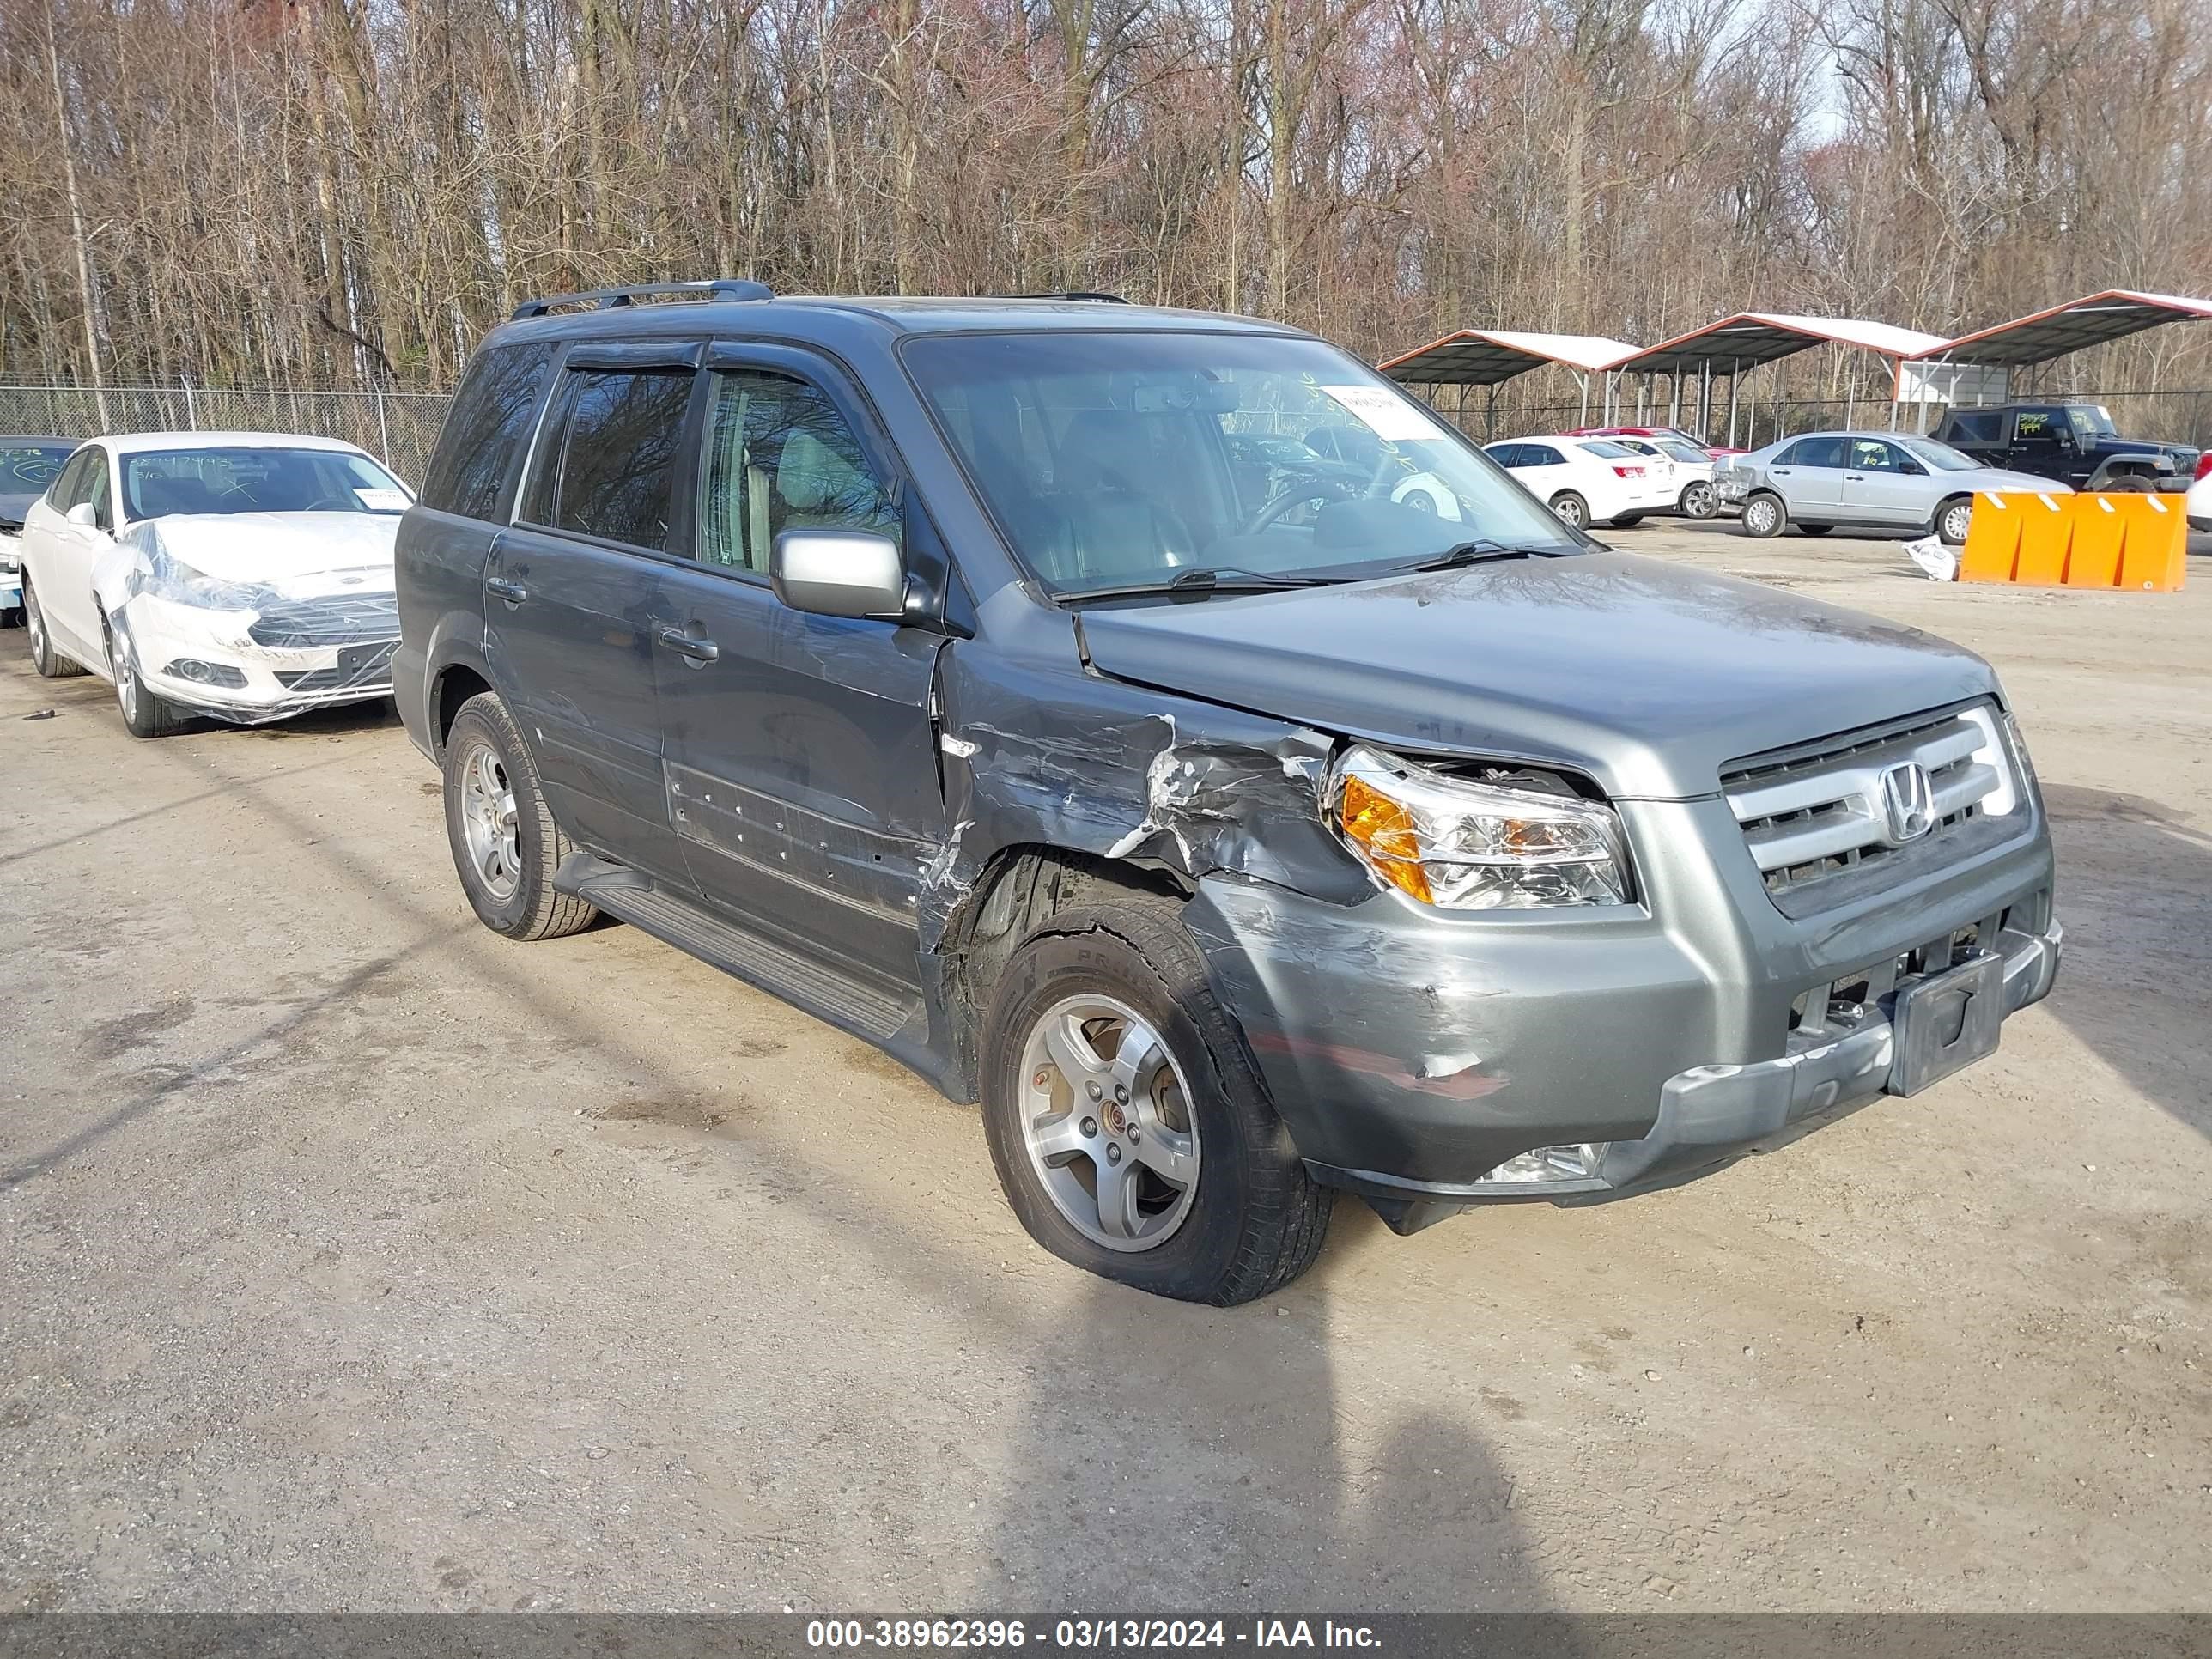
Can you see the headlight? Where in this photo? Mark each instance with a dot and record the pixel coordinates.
(168, 577)
(1467, 845)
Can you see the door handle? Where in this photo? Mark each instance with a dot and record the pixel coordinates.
(684, 645)
(1854, 477)
(513, 592)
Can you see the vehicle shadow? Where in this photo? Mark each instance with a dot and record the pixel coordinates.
(1172, 1459)
(2135, 895)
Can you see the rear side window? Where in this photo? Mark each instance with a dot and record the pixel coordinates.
(485, 431)
(1814, 452)
(1977, 428)
(1541, 455)
(1607, 447)
(607, 467)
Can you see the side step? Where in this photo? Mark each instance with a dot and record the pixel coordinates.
(881, 1016)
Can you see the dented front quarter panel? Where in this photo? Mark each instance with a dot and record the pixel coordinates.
(1038, 751)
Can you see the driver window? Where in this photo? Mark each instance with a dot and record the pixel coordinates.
(2032, 426)
(74, 485)
(777, 456)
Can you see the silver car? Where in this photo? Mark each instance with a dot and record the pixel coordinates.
(1878, 480)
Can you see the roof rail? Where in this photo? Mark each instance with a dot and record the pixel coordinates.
(1077, 293)
(605, 299)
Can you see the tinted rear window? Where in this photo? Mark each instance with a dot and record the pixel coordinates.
(485, 431)
(1814, 452)
(617, 462)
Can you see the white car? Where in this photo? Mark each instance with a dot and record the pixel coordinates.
(2197, 504)
(28, 468)
(246, 575)
(1588, 480)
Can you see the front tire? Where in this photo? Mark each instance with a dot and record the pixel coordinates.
(506, 846)
(1132, 1134)
(1953, 520)
(145, 715)
(1627, 520)
(1765, 517)
(49, 663)
(1571, 508)
(1814, 529)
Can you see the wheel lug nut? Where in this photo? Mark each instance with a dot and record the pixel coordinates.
(1135, 1134)
(1113, 1153)
(1121, 1093)
(1092, 1089)
(1042, 1077)
(1089, 1128)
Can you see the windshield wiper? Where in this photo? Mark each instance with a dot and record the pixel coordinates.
(1481, 552)
(1201, 583)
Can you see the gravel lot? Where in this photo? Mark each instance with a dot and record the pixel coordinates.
(352, 1258)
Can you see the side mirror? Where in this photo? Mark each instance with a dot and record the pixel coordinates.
(83, 517)
(839, 573)
(1912, 469)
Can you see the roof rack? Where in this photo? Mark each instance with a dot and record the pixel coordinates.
(605, 299)
(1077, 293)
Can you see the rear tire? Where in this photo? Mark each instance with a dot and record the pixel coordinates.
(1954, 518)
(1627, 520)
(1572, 509)
(1765, 517)
(2127, 484)
(49, 663)
(1814, 529)
(144, 715)
(1064, 1014)
(506, 846)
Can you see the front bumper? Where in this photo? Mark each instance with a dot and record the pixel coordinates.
(1412, 1053)
(207, 661)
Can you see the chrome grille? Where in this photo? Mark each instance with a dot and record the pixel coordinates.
(335, 619)
(1820, 812)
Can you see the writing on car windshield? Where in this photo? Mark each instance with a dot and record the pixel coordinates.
(159, 482)
(1116, 459)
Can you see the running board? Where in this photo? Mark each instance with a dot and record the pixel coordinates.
(895, 1024)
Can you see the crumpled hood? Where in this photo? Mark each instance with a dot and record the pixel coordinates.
(276, 548)
(1647, 676)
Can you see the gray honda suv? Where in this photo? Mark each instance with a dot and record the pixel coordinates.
(1237, 836)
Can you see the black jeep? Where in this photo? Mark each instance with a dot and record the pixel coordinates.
(2075, 443)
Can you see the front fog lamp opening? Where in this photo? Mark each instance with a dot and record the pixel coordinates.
(1523, 842)
(1545, 1164)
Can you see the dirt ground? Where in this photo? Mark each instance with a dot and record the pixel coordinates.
(352, 1258)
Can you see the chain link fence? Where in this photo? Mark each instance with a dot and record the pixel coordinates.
(399, 427)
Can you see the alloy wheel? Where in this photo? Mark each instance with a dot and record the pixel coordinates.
(1107, 1120)
(1697, 501)
(1759, 518)
(489, 822)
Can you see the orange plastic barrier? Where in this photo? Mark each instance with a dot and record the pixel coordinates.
(2137, 542)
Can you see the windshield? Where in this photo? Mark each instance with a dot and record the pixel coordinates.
(157, 482)
(26, 470)
(1942, 456)
(1114, 459)
(1611, 448)
(2092, 421)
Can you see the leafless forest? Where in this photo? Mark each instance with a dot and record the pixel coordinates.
(334, 193)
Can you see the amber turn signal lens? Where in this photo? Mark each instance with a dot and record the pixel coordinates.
(1384, 830)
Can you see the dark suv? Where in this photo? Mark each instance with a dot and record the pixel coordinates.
(1238, 837)
(2076, 444)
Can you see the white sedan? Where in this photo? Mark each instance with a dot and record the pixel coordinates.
(246, 575)
(1588, 480)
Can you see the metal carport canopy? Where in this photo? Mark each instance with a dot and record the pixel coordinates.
(1753, 337)
(2090, 320)
(1485, 357)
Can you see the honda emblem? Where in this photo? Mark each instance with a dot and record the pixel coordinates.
(1907, 802)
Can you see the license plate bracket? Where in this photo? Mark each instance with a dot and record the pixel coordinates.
(1945, 1021)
